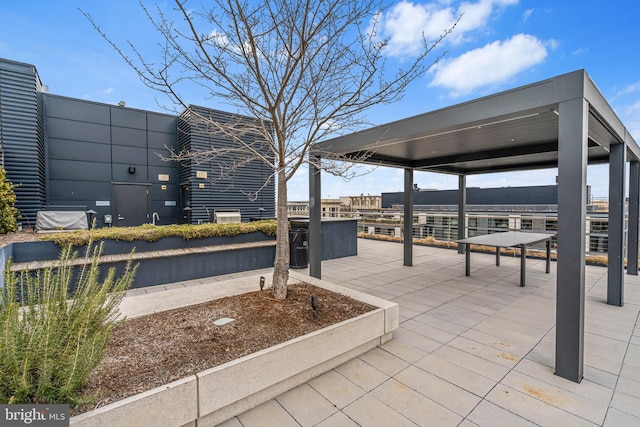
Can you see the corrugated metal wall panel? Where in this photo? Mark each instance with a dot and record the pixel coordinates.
(21, 135)
(218, 192)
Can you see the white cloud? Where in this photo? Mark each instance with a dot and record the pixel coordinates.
(489, 65)
(580, 51)
(106, 91)
(527, 14)
(405, 23)
(635, 87)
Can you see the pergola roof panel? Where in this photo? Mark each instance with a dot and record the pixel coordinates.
(512, 130)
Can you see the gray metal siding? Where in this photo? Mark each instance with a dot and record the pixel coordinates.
(21, 135)
(89, 152)
(221, 192)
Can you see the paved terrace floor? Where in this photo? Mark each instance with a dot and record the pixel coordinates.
(470, 351)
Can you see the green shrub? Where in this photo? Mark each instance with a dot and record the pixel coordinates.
(48, 343)
(152, 233)
(8, 211)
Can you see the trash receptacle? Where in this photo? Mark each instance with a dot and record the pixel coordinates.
(298, 248)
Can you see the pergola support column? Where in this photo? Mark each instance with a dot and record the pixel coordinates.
(408, 217)
(572, 199)
(315, 220)
(615, 263)
(634, 217)
(462, 211)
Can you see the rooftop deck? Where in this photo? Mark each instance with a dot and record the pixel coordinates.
(475, 350)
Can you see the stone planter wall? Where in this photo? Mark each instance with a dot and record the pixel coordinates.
(217, 394)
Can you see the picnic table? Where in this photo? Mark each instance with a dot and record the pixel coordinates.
(508, 239)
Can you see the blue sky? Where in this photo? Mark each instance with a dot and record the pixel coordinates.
(497, 45)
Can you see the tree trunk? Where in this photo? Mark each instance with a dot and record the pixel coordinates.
(281, 262)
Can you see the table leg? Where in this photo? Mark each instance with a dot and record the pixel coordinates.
(548, 269)
(523, 264)
(467, 259)
(497, 256)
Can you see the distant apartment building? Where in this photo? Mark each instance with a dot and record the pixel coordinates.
(345, 206)
(489, 210)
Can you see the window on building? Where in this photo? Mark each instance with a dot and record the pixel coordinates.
(526, 224)
(498, 223)
(599, 227)
(551, 225)
(473, 222)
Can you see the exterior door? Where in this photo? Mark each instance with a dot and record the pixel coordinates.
(132, 202)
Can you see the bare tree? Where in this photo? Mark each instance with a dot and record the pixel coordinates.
(305, 69)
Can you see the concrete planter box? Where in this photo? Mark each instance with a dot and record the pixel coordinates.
(217, 394)
(168, 260)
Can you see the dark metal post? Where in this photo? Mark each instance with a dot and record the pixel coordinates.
(615, 265)
(572, 200)
(462, 210)
(634, 213)
(315, 220)
(408, 217)
(467, 259)
(523, 265)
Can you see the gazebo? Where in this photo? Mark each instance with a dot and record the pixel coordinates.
(562, 122)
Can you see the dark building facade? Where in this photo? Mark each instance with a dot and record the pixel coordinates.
(535, 195)
(71, 154)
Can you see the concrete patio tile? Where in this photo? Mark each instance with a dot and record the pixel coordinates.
(338, 420)
(271, 411)
(362, 374)
(428, 331)
(136, 292)
(233, 422)
(489, 369)
(626, 403)
(629, 386)
(616, 418)
(415, 406)
(630, 371)
(511, 342)
(467, 423)
(600, 377)
(416, 340)
(457, 316)
(633, 355)
(587, 388)
(558, 397)
(440, 323)
(494, 355)
(407, 313)
(498, 323)
(384, 361)
(474, 306)
(544, 352)
(307, 406)
(336, 389)
(604, 353)
(371, 412)
(457, 375)
(532, 409)
(414, 302)
(439, 390)
(405, 352)
(486, 414)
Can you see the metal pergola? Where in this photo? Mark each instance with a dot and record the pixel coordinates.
(562, 122)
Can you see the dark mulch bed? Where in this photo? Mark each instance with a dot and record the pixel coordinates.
(150, 351)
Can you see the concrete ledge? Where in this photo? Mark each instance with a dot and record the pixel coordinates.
(217, 394)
